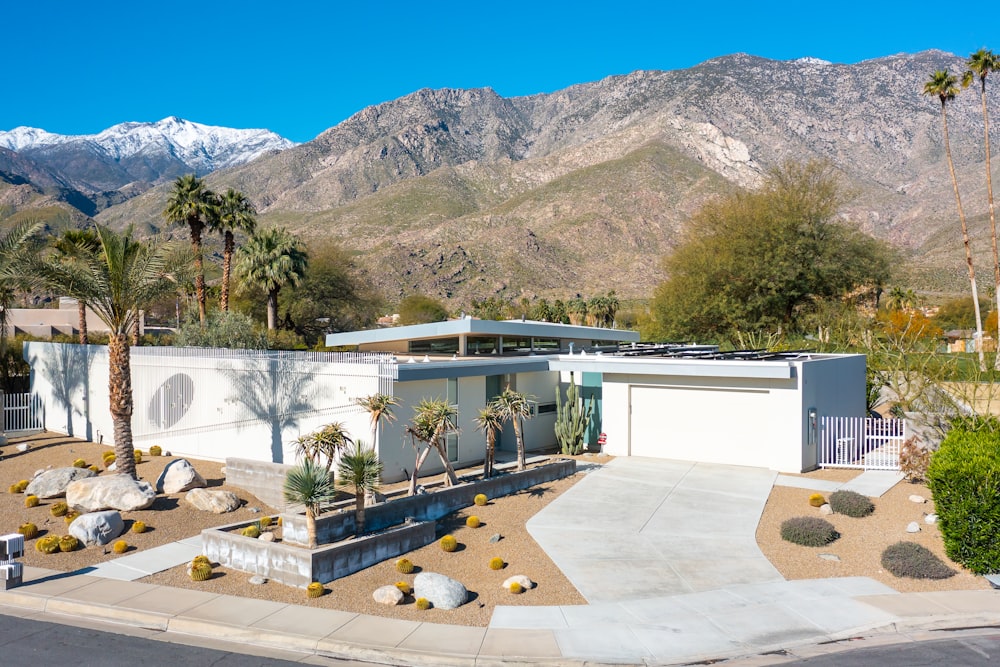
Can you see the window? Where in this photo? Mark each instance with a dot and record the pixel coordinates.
(546, 408)
(545, 344)
(481, 345)
(516, 344)
(451, 440)
(434, 346)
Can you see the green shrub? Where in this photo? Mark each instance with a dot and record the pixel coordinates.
(851, 503)
(909, 559)
(963, 477)
(817, 500)
(449, 543)
(809, 531)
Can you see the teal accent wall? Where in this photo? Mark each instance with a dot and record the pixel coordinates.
(592, 385)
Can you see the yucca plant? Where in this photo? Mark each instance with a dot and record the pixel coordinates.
(309, 484)
(359, 469)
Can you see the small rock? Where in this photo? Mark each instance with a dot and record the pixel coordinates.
(917, 499)
(441, 591)
(254, 510)
(825, 509)
(420, 491)
(496, 538)
(833, 557)
(23, 447)
(266, 536)
(388, 595)
(179, 476)
(97, 528)
(169, 454)
(218, 502)
(931, 519)
(914, 527)
(257, 580)
(526, 583)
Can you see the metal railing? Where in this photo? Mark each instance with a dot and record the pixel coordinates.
(22, 412)
(867, 443)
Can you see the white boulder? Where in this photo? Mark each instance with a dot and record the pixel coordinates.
(53, 483)
(526, 583)
(115, 492)
(917, 499)
(97, 528)
(388, 595)
(218, 502)
(179, 476)
(442, 592)
(913, 527)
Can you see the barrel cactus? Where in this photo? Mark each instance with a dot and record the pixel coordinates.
(68, 543)
(22, 485)
(79, 463)
(480, 499)
(496, 563)
(404, 566)
(138, 527)
(199, 570)
(315, 589)
(120, 547)
(31, 500)
(404, 587)
(59, 509)
(137, 453)
(156, 450)
(14, 489)
(817, 500)
(48, 544)
(473, 522)
(201, 558)
(449, 543)
(251, 531)
(515, 588)
(422, 604)
(70, 517)
(94, 469)
(265, 522)
(109, 460)
(29, 530)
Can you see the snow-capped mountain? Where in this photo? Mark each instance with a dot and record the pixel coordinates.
(148, 152)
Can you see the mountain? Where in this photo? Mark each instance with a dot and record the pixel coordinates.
(465, 193)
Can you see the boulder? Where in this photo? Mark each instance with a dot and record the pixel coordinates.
(266, 536)
(97, 528)
(389, 595)
(23, 447)
(917, 499)
(179, 476)
(442, 592)
(218, 502)
(115, 492)
(53, 483)
(825, 509)
(526, 583)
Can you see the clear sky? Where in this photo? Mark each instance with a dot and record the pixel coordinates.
(298, 68)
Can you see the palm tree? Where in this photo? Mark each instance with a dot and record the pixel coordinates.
(379, 407)
(68, 245)
(13, 257)
(326, 443)
(234, 213)
(359, 469)
(942, 85)
(980, 64)
(514, 406)
(490, 422)
(191, 204)
(269, 260)
(309, 485)
(900, 299)
(122, 276)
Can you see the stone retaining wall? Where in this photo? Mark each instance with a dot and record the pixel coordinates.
(263, 479)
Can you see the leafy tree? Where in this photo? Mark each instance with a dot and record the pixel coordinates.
(324, 445)
(433, 419)
(270, 260)
(232, 213)
(420, 309)
(359, 469)
(492, 307)
(115, 282)
(942, 85)
(192, 204)
(763, 260)
(379, 407)
(490, 422)
(16, 250)
(225, 329)
(309, 484)
(515, 406)
(66, 246)
(900, 299)
(576, 310)
(957, 314)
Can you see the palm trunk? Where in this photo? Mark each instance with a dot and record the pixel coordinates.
(491, 441)
(965, 241)
(120, 395)
(520, 444)
(311, 526)
(272, 309)
(227, 265)
(421, 457)
(993, 222)
(359, 512)
(199, 269)
(81, 309)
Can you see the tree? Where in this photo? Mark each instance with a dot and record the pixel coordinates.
(15, 251)
(490, 422)
(515, 406)
(232, 213)
(980, 64)
(942, 85)
(420, 309)
(325, 444)
(379, 407)
(433, 419)
(766, 259)
(900, 299)
(359, 469)
(269, 261)
(225, 329)
(191, 204)
(123, 276)
(66, 246)
(309, 485)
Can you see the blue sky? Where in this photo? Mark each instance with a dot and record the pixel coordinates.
(299, 68)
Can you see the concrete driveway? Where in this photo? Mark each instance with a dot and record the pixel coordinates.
(647, 528)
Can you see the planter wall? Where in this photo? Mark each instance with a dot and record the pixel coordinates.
(261, 478)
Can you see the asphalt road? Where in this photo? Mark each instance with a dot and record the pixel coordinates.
(975, 651)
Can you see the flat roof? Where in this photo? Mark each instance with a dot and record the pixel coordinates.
(472, 327)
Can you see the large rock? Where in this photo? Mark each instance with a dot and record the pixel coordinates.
(389, 595)
(97, 528)
(116, 492)
(53, 483)
(218, 502)
(179, 476)
(443, 592)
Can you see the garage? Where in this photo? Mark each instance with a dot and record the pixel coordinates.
(673, 422)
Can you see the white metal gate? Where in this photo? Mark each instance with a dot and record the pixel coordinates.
(861, 442)
(22, 412)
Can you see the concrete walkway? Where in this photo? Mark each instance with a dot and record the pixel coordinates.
(872, 483)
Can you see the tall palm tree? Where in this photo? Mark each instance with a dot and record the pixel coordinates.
(233, 213)
(379, 407)
(325, 444)
(72, 242)
(490, 422)
(123, 276)
(514, 406)
(309, 485)
(270, 260)
(980, 64)
(359, 469)
(191, 204)
(943, 86)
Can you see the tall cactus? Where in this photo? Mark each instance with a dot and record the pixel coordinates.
(572, 419)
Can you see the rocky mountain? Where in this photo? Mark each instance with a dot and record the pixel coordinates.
(464, 193)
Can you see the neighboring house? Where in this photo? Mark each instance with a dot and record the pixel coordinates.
(48, 322)
(964, 340)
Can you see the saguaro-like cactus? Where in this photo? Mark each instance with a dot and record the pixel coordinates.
(572, 419)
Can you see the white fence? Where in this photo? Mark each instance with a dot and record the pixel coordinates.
(22, 412)
(861, 442)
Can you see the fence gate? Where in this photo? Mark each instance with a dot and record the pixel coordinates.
(22, 412)
(867, 443)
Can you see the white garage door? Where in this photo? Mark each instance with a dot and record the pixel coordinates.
(698, 424)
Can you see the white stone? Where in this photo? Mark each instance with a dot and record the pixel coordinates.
(825, 509)
(388, 595)
(931, 519)
(914, 527)
(917, 499)
(114, 492)
(257, 580)
(179, 476)
(53, 483)
(266, 536)
(526, 583)
(97, 528)
(831, 557)
(442, 592)
(23, 447)
(218, 502)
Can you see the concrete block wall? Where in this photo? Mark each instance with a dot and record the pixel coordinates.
(261, 478)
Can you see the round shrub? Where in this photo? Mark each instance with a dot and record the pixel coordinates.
(422, 604)
(31, 501)
(851, 503)
(155, 450)
(909, 559)
(48, 544)
(138, 527)
(68, 543)
(480, 499)
(79, 463)
(404, 587)
(29, 530)
(473, 522)
(201, 558)
(808, 531)
(516, 588)
(120, 547)
(404, 566)
(315, 589)
(251, 531)
(59, 509)
(449, 543)
(200, 571)
(496, 563)
(817, 500)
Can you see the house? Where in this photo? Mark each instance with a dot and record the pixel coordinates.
(48, 322)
